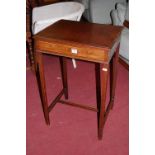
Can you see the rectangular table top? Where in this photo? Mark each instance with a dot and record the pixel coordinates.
(79, 40)
(90, 34)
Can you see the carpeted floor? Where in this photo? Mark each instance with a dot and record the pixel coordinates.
(73, 131)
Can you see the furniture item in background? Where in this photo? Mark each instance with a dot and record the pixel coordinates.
(85, 41)
(44, 16)
(29, 6)
(120, 16)
(46, 2)
(98, 11)
(86, 13)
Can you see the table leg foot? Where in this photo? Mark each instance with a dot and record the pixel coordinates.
(100, 135)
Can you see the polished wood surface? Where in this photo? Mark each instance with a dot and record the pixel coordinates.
(83, 52)
(42, 85)
(91, 42)
(83, 33)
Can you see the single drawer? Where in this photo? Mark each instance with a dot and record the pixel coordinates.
(76, 51)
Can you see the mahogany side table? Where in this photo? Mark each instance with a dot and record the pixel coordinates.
(96, 43)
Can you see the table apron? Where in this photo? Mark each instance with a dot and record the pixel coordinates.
(87, 53)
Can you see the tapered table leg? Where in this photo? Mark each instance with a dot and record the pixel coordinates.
(104, 69)
(98, 88)
(63, 67)
(41, 84)
(113, 75)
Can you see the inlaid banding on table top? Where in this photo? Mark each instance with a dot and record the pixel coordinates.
(83, 52)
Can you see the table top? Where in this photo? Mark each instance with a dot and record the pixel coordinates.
(90, 34)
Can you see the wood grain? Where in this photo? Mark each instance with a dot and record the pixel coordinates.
(92, 42)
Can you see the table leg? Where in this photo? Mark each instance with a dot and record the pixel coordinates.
(104, 69)
(41, 84)
(98, 88)
(113, 75)
(63, 67)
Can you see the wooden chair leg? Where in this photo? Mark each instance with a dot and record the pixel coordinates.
(30, 52)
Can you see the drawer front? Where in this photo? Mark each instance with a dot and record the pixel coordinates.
(73, 51)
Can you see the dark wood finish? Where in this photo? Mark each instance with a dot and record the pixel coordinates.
(91, 42)
(87, 38)
(29, 46)
(30, 4)
(61, 49)
(81, 33)
(98, 89)
(113, 76)
(104, 69)
(63, 66)
(28, 32)
(101, 91)
(42, 86)
(126, 23)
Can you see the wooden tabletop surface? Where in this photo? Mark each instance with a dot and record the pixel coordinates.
(97, 35)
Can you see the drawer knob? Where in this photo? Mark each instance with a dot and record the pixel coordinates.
(74, 50)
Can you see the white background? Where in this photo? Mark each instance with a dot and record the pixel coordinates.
(13, 77)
